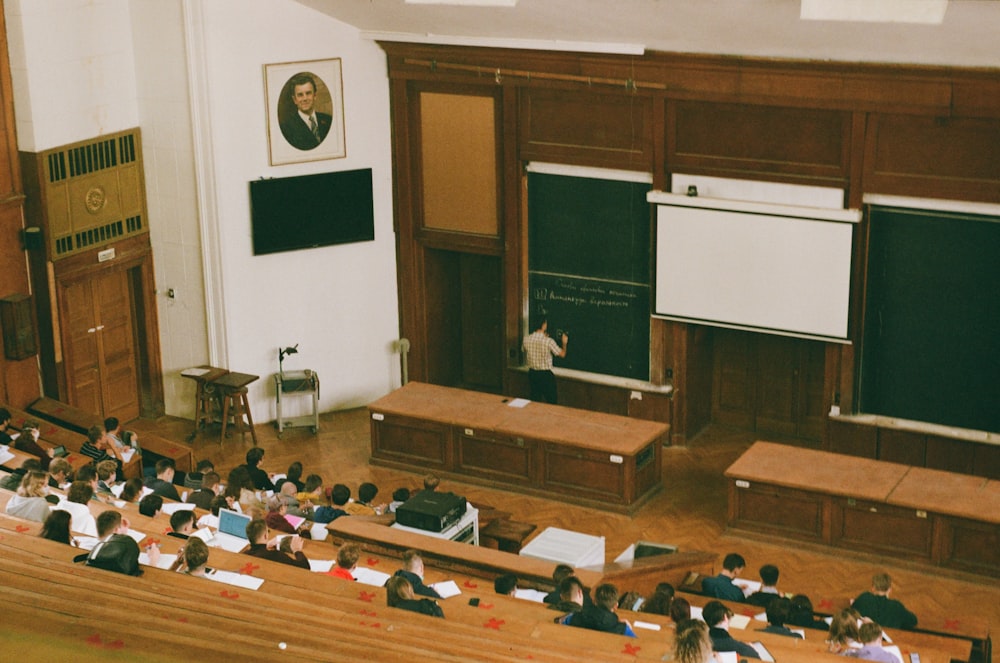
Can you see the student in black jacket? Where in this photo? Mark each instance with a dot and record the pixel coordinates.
(877, 606)
(717, 615)
(399, 594)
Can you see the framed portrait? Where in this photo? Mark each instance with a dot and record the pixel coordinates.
(305, 111)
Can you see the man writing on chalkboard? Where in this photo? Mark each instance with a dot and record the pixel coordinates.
(539, 348)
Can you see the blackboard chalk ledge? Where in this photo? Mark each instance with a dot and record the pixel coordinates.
(608, 380)
(911, 425)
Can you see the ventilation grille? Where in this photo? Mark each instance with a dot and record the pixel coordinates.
(92, 157)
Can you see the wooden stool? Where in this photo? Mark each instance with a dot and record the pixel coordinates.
(509, 534)
(206, 400)
(232, 389)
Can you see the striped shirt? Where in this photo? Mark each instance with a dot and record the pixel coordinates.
(539, 348)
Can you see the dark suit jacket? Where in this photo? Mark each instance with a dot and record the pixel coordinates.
(722, 587)
(297, 132)
(419, 588)
(163, 488)
(201, 499)
(887, 612)
(722, 641)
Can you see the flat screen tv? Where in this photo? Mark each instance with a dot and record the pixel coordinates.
(308, 211)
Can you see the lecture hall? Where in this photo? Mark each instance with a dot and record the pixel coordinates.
(439, 297)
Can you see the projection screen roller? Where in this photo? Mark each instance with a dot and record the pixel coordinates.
(768, 268)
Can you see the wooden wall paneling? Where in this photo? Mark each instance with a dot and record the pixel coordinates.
(776, 381)
(590, 128)
(488, 455)
(782, 511)
(845, 437)
(698, 363)
(734, 379)
(515, 254)
(149, 364)
(933, 157)
(441, 299)
(971, 546)
(812, 403)
(950, 455)
(986, 461)
(651, 406)
(881, 527)
(904, 447)
(482, 341)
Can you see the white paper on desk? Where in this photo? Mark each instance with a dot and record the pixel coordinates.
(761, 617)
(894, 650)
(165, 562)
(231, 544)
(696, 612)
(319, 532)
(518, 402)
(86, 542)
(237, 579)
(739, 621)
(117, 489)
(146, 490)
(119, 504)
(170, 508)
(530, 595)
(321, 565)
(765, 655)
(138, 536)
(6, 456)
(727, 657)
(367, 576)
(194, 372)
(208, 520)
(646, 625)
(800, 631)
(127, 454)
(886, 638)
(446, 589)
(204, 534)
(748, 586)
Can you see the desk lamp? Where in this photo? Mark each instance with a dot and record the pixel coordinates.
(283, 352)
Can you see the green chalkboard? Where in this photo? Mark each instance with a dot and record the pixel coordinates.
(588, 269)
(931, 347)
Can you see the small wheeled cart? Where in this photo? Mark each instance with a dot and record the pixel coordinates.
(297, 383)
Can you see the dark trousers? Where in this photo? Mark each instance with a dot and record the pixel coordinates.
(543, 386)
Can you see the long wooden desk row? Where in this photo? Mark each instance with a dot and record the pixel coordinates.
(80, 421)
(600, 460)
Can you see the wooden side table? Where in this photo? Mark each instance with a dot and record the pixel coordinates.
(205, 397)
(232, 389)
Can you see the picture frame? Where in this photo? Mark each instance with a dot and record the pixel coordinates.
(290, 138)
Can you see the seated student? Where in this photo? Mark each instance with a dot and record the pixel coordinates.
(870, 634)
(5, 428)
(261, 480)
(768, 586)
(659, 603)
(777, 613)
(399, 594)
(505, 585)
(363, 505)
(717, 615)
(413, 571)
(631, 600)
(211, 519)
(561, 572)
(203, 496)
(27, 442)
(88, 473)
(29, 501)
(241, 488)
(195, 480)
(801, 614)
(292, 504)
(877, 605)
(293, 475)
(339, 495)
(680, 609)
(162, 484)
(132, 490)
(151, 505)
(275, 516)
(431, 483)
(194, 558)
(75, 502)
(721, 586)
(399, 497)
(107, 473)
(98, 447)
(601, 615)
(182, 524)
(13, 480)
(262, 548)
(60, 473)
(312, 490)
(571, 597)
(347, 561)
(691, 643)
(843, 634)
(56, 527)
(116, 550)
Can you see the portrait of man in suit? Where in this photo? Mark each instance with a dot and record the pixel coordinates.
(302, 125)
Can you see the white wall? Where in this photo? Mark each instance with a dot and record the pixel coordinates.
(176, 68)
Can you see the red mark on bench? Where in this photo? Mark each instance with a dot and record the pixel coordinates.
(494, 623)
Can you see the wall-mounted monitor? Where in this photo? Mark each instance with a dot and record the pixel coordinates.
(309, 211)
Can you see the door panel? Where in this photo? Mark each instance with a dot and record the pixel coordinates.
(80, 347)
(777, 374)
(117, 343)
(732, 397)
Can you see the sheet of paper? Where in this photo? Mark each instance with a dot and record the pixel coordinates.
(530, 595)
(367, 576)
(761, 616)
(146, 490)
(204, 534)
(231, 543)
(319, 532)
(127, 454)
(117, 489)
(170, 508)
(321, 565)
(6, 456)
(765, 655)
(194, 372)
(237, 579)
(739, 621)
(748, 586)
(696, 612)
(447, 588)
(646, 625)
(727, 657)
(86, 542)
(208, 520)
(138, 536)
(518, 402)
(165, 562)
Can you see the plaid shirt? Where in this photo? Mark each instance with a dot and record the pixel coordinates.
(539, 348)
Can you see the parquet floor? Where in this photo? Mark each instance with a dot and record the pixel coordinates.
(690, 512)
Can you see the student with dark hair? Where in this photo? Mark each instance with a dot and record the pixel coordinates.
(193, 480)
(768, 586)
(162, 484)
(116, 550)
(777, 615)
(506, 584)
(132, 491)
(870, 634)
(56, 527)
(259, 477)
(27, 442)
(560, 573)
(721, 586)
(571, 597)
(194, 558)
(98, 447)
(340, 495)
(150, 505)
(182, 523)
(60, 472)
(399, 497)
(362, 506)
(801, 613)
(399, 594)
(294, 475)
(877, 605)
(601, 615)
(241, 488)
(13, 480)
(413, 571)
(843, 634)
(107, 472)
(261, 547)
(112, 428)
(717, 615)
(680, 609)
(202, 498)
(659, 602)
(5, 428)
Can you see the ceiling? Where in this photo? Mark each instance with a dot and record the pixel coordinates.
(969, 35)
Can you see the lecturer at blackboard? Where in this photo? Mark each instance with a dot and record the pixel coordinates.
(539, 348)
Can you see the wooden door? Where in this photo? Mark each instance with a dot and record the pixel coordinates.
(777, 381)
(99, 345)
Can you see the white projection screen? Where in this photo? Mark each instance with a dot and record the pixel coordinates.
(778, 269)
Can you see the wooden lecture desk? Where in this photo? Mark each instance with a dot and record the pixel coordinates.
(591, 458)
